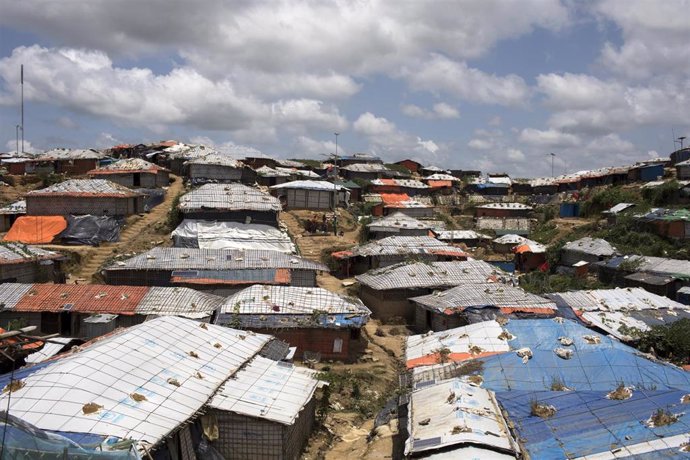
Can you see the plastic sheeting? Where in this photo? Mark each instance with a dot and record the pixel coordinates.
(91, 230)
(587, 423)
(24, 441)
(594, 366)
(230, 235)
(152, 197)
(36, 229)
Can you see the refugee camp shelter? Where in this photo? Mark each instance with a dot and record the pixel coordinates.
(230, 203)
(72, 162)
(217, 167)
(160, 383)
(314, 320)
(616, 271)
(395, 249)
(367, 171)
(683, 170)
(133, 173)
(623, 313)
(529, 256)
(596, 396)
(220, 271)
(386, 291)
(393, 203)
(397, 224)
(586, 249)
(10, 213)
(505, 226)
(502, 210)
(410, 186)
(36, 229)
(268, 177)
(505, 244)
(669, 223)
(469, 238)
(455, 413)
(212, 234)
(467, 304)
(29, 264)
(311, 194)
(91, 310)
(98, 197)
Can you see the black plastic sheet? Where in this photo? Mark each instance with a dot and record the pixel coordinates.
(91, 230)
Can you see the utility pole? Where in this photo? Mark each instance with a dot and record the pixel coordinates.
(553, 155)
(335, 187)
(17, 139)
(21, 77)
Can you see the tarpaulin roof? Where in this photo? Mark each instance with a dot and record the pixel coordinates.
(455, 413)
(588, 424)
(288, 306)
(128, 166)
(439, 183)
(36, 229)
(232, 276)
(91, 230)
(508, 206)
(267, 389)
(397, 220)
(593, 246)
(598, 362)
(431, 275)
(529, 246)
(228, 197)
(502, 296)
(231, 235)
(406, 245)
(462, 343)
(141, 383)
(309, 185)
(14, 253)
(86, 188)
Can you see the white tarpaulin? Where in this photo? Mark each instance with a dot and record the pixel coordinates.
(207, 234)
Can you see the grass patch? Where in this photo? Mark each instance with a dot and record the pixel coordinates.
(543, 283)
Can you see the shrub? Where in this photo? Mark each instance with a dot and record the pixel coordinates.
(670, 341)
(604, 199)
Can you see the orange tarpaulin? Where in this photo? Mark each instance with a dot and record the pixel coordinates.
(36, 229)
(394, 198)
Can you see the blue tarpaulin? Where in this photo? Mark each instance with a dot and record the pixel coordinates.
(587, 422)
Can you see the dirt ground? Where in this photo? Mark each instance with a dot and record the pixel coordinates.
(357, 391)
(11, 193)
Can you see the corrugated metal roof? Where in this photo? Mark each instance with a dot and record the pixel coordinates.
(11, 253)
(462, 343)
(173, 365)
(510, 239)
(431, 275)
(85, 298)
(18, 207)
(459, 298)
(620, 207)
(178, 301)
(214, 259)
(267, 389)
(658, 265)
(309, 185)
(594, 246)
(128, 166)
(444, 177)
(623, 313)
(228, 197)
(405, 245)
(298, 172)
(289, 163)
(509, 206)
(397, 220)
(11, 293)
(85, 187)
(453, 412)
(262, 306)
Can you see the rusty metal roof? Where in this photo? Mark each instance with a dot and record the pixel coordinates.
(229, 197)
(86, 298)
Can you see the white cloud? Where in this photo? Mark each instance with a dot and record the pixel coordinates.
(306, 147)
(441, 74)
(66, 123)
(440, 110)
(515, 154)
(87, 81)
(495, 121)
(548, 139)
(480, 144)
(391, 143)
(228, 147)
(11, 146)
(655, 37)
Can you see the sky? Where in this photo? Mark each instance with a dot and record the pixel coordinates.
(483, 84)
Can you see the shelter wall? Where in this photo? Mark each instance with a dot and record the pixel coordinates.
(570, 257)
(76, 167)
(256, 217)
(315, 340)
(135, 277)
(79, 205)
(27, 272)
(215, 172)
(392, 303)
(309, 199)
(412, 212)
(402, 232)
(426, 320)
(146, 179)
(242, 437)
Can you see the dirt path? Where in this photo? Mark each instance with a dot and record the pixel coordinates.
(138, 228)
(311, 246)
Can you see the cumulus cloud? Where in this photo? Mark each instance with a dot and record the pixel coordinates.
(441, 74)
(11, 146)
(228, 147)
(87, 81)
(440, 110)
(480, 144)
(390, 142)
(548, 138)
(306, 147)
